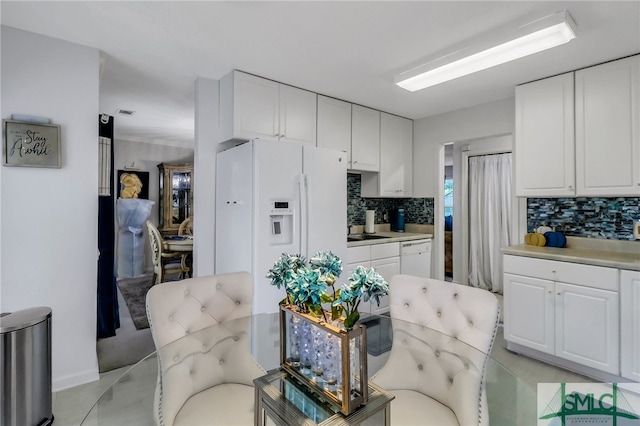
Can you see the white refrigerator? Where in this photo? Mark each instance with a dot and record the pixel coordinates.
(276, 197)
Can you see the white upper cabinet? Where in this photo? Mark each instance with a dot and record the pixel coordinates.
(365, 139)
(396, 160)
(254, 107)
(607, 129)
(334, 125)
(249, 107)
(396, 156)
(544, 142)
(377, 144)
(297, 115)
(578, 134)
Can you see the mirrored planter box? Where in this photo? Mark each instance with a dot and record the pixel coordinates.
(329, 360)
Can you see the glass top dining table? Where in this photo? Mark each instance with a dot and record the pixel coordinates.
(130, 400)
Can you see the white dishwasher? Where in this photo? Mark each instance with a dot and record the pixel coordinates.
(415, 258)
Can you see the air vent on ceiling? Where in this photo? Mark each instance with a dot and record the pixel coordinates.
(125, 112)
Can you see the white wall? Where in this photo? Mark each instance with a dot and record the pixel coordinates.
(50, 216)
(430, 136)
(207, 94)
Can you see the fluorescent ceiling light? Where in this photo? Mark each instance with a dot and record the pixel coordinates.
(533, 37)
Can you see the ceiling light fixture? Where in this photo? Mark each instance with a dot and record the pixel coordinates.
(497, 48)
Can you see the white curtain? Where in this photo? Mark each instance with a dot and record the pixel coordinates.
(489, 218)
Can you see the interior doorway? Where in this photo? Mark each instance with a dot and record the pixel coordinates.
(490, 216)
(462, 151)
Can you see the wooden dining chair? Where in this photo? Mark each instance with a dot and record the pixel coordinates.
(186, 227)
(164, 262)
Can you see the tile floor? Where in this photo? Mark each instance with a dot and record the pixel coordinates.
(70, 406)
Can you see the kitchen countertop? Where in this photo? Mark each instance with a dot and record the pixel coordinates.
(390, 237)
(620, 254)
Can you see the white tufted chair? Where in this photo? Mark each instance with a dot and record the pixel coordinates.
(442, 336)
(200, 327)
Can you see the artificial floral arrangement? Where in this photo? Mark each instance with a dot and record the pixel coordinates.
(307, 284)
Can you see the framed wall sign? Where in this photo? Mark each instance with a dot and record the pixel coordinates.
(31, 144)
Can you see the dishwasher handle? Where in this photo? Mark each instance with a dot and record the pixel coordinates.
(408, 248)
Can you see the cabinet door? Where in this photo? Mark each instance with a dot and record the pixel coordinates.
(630, 325)
(544, 143)
(334, 125)
(365, 139)
(587, 326)
(529, 312)
(387, 268)
(234, 207)
(607, 129)
(255, 107)
(396, 156)
(297, 115)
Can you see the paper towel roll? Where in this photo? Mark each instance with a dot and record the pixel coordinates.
(370, 219)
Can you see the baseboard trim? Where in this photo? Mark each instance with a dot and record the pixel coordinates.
(566, 364)
(73, 380)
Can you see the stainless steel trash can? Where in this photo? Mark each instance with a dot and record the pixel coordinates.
(25, 367)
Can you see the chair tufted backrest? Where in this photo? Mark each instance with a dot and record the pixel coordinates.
(200, 327)
(443, 334)
(182, 307)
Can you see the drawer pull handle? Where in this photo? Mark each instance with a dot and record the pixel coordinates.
(559, 293)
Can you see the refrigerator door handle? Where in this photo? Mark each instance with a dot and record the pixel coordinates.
(304, 214)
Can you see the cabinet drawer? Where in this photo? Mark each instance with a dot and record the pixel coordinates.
(567, 272)
(380, 251)
(358, 254)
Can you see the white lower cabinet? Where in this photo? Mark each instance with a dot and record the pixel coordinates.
(630, 325)
(357, 256)
(587, 326)
(529, 312)
(384, 258)
(387, 268)
(563, 309)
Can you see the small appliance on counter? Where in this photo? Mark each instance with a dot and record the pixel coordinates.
(397, 220)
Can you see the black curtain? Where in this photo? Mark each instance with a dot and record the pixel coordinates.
(108, 312)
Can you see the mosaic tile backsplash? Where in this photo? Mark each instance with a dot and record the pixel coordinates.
(416, 210)
(607, 218)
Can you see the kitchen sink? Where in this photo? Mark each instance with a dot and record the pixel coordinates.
(363, 237)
